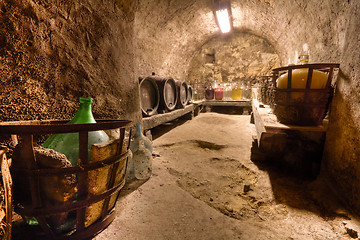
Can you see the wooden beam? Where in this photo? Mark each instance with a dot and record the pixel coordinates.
(156, 120)
(220, 103)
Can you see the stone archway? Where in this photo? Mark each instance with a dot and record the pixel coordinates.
(241, 57)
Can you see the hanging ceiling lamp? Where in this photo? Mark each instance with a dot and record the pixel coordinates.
(223, 16)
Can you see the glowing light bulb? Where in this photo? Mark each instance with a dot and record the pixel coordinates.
(223, 20)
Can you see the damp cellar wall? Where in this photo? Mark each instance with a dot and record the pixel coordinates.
(53, 52)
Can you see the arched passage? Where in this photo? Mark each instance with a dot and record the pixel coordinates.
(240, 57)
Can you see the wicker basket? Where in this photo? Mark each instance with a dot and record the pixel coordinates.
(93, 208)
(310, 106)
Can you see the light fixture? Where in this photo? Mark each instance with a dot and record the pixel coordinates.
(223, 16)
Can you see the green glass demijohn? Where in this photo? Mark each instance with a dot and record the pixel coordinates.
(68, 143)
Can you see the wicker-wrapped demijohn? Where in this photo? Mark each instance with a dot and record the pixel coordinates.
(303, 93)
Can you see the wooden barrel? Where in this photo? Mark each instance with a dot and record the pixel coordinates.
(190, 94)
(182, 89)
(149, 96)
(168, 94)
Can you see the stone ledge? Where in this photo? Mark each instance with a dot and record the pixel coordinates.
(156, 120)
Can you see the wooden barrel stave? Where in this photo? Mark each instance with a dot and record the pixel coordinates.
(182, 89)
(149, 96)
(190, 94)
(168, 93)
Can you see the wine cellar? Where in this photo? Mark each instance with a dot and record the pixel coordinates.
(179, 119)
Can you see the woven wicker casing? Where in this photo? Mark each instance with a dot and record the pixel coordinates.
(305, 107)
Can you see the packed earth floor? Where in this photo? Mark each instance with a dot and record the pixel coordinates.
(204, 185)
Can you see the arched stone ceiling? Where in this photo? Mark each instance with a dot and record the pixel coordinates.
(169, 32)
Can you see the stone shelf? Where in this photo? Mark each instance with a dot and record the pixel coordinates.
(237, 106)
(221, 103)
(191, 109)
(156, 120)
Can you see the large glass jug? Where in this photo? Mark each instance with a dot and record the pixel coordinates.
(219, 93)
(209, 93)
(236, 92)
(68, 143)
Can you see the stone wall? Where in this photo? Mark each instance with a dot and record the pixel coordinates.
(53, 52)
(241, 57)
(169, 32)
(342, 152)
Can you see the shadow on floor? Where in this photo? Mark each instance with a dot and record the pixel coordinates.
(302, 191)
(231, 110)
(131, 186)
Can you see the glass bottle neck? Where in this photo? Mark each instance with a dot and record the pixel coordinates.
(84, 114)
(138, 129)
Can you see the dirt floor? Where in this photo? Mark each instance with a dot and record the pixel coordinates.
(205, 186)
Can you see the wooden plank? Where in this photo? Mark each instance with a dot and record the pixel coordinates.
(156, 120)
(268, 128)
(220, 103)
(103, 178)
(198, 102)
(83, 179)
(313, 65)
(271, 123)
(198, 106)
(58, 126)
